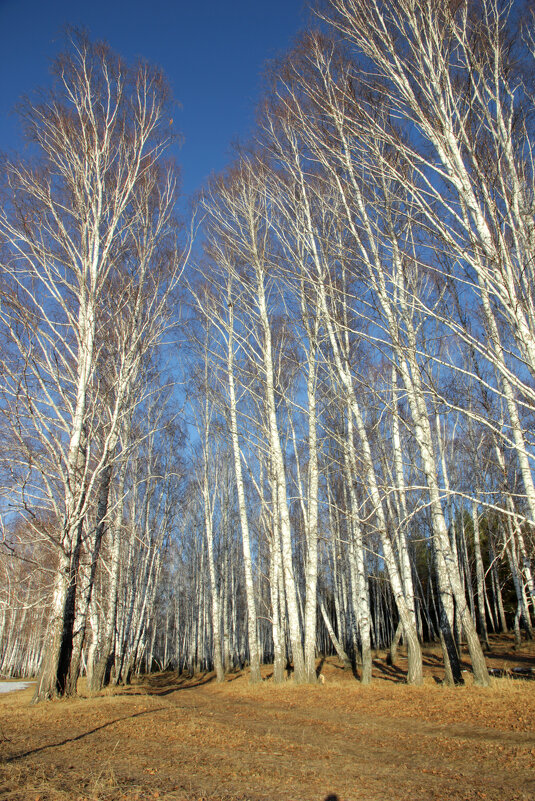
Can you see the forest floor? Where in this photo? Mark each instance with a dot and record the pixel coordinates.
(175, 738)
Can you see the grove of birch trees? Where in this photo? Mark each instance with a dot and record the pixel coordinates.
(311, 431)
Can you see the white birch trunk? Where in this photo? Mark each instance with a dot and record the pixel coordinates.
(254, 654)
(279, 473)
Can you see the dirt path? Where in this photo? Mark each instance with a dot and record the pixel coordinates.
(175, 739)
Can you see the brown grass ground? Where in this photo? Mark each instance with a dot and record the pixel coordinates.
(176, 738)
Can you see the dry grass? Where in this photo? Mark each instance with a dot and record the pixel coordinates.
(176, 738)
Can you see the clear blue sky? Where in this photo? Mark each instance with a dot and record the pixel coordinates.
(212, 52)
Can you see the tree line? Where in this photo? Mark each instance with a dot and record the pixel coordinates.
(339, 456)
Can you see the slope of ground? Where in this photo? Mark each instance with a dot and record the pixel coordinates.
(176, 738)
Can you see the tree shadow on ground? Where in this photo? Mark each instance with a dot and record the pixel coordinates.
(432, 660)
(81, 736)
(390, 672)
(229, 677)
(161, 684)
(524, 660)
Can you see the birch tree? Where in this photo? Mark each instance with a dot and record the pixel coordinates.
(70, 229)
(458, 78)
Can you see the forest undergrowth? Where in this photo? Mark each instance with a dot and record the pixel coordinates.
(173, 738)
